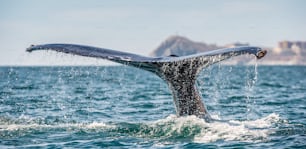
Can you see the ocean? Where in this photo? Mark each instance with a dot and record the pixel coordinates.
(124, 107)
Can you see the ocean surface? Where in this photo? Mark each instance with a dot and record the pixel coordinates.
(124, 107)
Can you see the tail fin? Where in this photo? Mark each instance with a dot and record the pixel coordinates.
(179, 72)
(88, 51)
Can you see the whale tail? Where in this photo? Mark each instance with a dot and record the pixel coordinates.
(180, 73)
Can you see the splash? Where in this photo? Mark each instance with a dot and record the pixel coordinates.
(244, 131)
(202, 132)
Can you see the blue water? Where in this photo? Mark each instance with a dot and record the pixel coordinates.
(123, 107)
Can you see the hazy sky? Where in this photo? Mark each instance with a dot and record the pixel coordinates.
(139, 26)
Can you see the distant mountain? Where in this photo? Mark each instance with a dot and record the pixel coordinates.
(177, 45)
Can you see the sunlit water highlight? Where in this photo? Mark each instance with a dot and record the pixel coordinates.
(125, 107)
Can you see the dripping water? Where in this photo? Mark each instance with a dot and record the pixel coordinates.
(250, 83)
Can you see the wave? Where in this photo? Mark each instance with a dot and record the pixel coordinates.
(171, 128)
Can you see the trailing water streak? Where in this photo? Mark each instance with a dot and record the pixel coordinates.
(180, 73)
(166, 128)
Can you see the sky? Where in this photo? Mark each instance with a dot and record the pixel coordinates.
(139, 26)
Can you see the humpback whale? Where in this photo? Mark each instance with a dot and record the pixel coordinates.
(179, 72)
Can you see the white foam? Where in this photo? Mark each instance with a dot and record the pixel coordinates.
(245, 131)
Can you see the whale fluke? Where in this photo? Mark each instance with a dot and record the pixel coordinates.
(179, 73)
